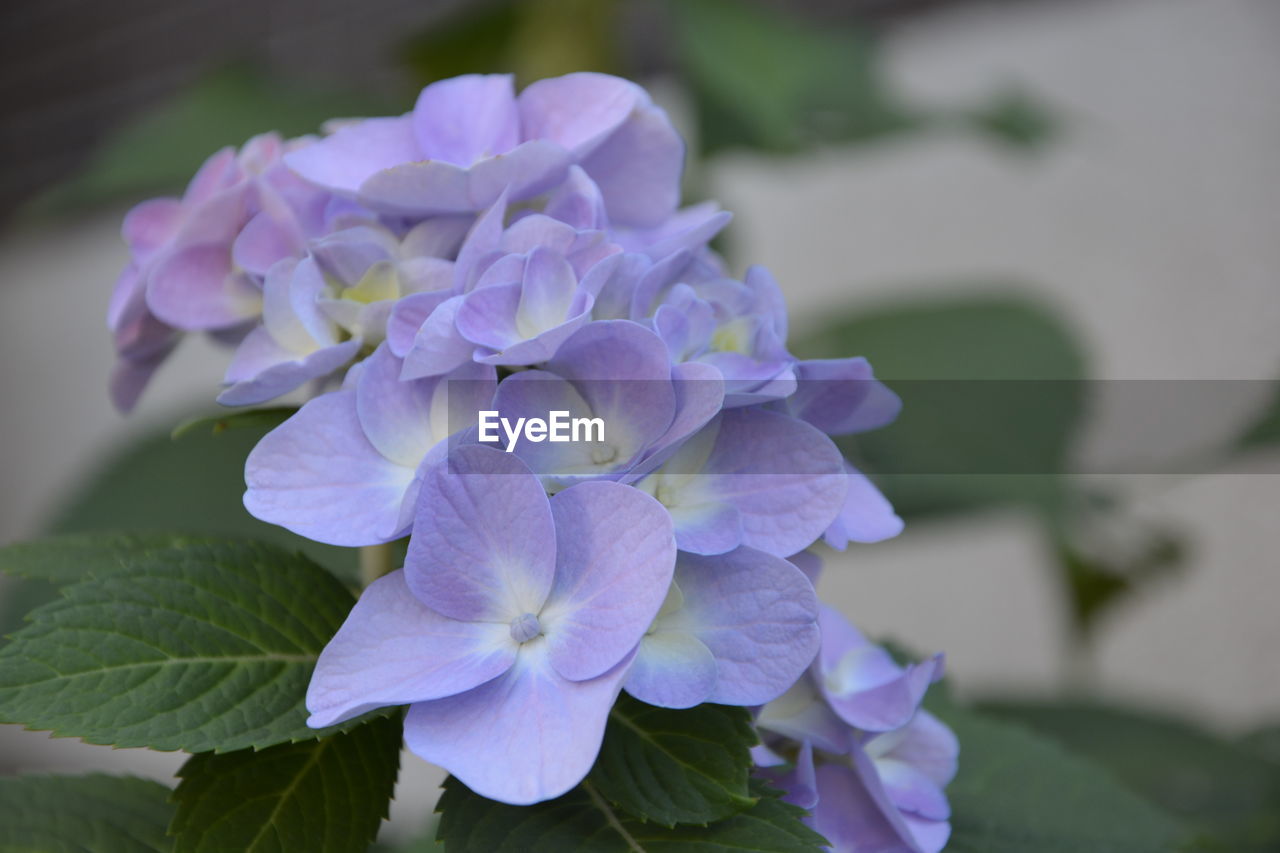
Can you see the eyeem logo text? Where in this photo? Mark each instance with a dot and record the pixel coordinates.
(558, 426)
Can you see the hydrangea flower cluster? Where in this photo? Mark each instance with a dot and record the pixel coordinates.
(524, 255)
(850, 742)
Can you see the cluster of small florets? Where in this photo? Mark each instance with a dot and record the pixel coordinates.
(518, 256)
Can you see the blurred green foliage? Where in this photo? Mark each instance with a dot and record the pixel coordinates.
(992, 398)
(159, 151)
(1017, 792)
(759, 79)
(766, 80)
(533, 39)
(1264, 432)
(1228, 793)
(995, 397)
(157, 484)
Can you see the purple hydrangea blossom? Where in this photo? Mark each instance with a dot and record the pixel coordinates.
(751, 477)
(346, 468)
(617, 371)
(197, 263)
(736, 629)
(470, 138)
(865, 758)
(511, 629)
(295, 343)
(523, 255)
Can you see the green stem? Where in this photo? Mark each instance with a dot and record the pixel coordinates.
(375, 561)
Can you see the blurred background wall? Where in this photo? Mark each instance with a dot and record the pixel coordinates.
(1147, 224)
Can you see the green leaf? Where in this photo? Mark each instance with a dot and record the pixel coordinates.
(323, 796)
(160, 151)
(1227, 791)
(75, 556)
(1016, 119)
(584, 821)
(205, 648)
(1265, 431)
(1017, 792)
(771, 81)
(73, 814)
(266, 418)
(195, 485)
(155, 484)
(689, 766)
(1265, 742)
(1099, 581)
(533, 38)
(992, 399)
(474, 39)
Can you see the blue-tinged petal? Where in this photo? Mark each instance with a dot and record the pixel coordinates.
(535, 231)
(699, 393)
(547, 294)
(798, 782)
(546, 344)
(283, 374)
(527, 736)
(621, 369)
(578, 202)
(484, 544)
(393, 650)
(615, 553)
(480, 242)
(578, 111)
(348, 254)
(842, 396)
(462, 119)
(438, 348)
(418, 274)
(672, 669)
(688, 229)
(853, 812)
(925, 743)
(758, 615)
(783, 477)
(418, 188)
(803, 715)
(487, 316)
(862, 682)
(404, 419)
(809, 563)
(407, 317)
(196, 289)
(217, 219)
(930, 836)
(614, 298)
(763, 756)
(149, 226)
(706, 527)
(536, 393)
(437, 237)
(343, 161)
(291, 306)
(867, 516)
(130, 375)
(317, 475)
(912, 791)
(638, 168)
(529, 169)
(264, 240)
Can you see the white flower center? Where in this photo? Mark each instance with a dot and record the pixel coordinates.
(525, 627)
